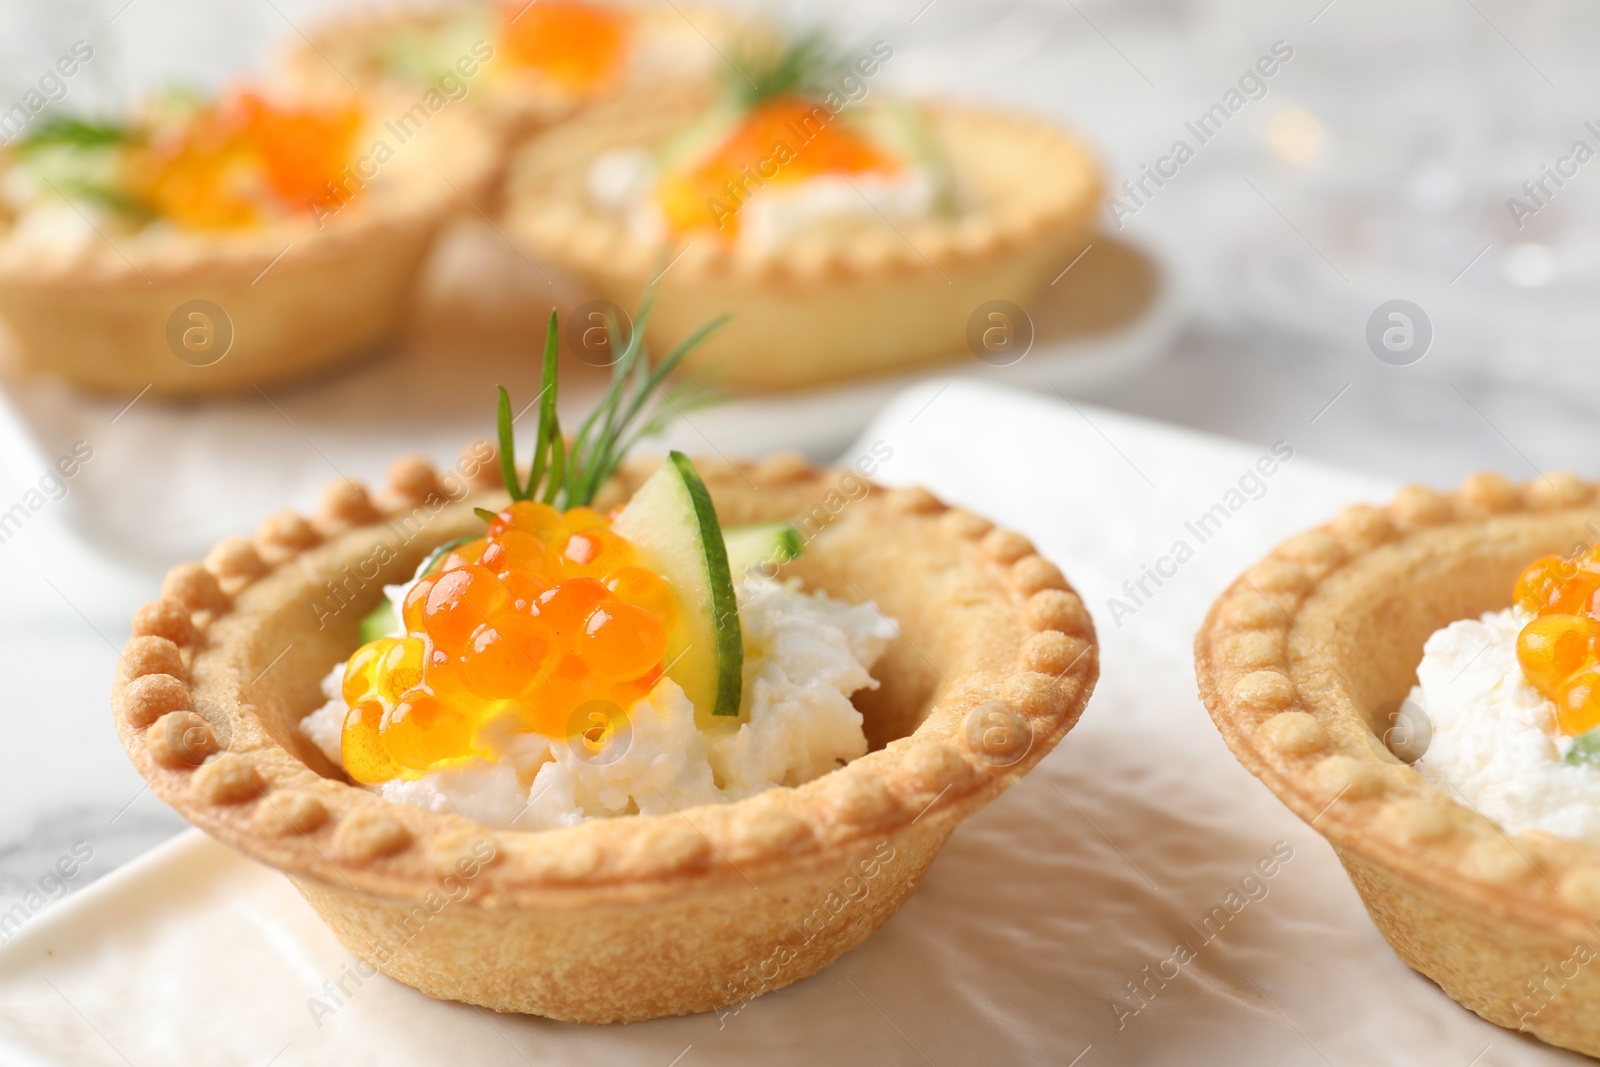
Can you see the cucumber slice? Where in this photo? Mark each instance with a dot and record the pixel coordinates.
(380, 622)
(671, 522)
(1585, 750)
(754, 546)
(904, 126)
(699, 139)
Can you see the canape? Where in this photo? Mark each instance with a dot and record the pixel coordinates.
(526, 65)
(604, 741)
(205, 245)
(848, 233)
(1415, 682)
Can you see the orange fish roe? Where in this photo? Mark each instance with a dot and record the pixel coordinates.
(549, 614)
(1559, 649)
(240, 159)
(783, 140)
(301, 149)
(579, 47)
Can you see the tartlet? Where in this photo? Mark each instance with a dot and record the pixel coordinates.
(406, 50)
(1299, 663)
(831, 304)
(277, 301)
(615, 919)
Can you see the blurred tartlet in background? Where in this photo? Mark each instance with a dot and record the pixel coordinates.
(848, 233)
(537, 63)
(202, 245)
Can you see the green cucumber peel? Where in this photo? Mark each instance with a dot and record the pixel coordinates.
(729, 635)
(1585, 750)
(762, 546)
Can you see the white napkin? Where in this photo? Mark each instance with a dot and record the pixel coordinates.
(1024, 936)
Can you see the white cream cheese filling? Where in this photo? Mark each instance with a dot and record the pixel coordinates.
(771, 216)
(1495, 745)
(805, 654)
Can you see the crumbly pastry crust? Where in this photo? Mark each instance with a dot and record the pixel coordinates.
(1295, 663)
(616, 919)
(830, 305)
(340, 50)
(97, 313)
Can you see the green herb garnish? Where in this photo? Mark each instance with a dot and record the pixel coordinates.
(1585, 750)
(439, 553)
(763, 69)
(68, 132)
(80, 159)
(568, 474)
(107, 196)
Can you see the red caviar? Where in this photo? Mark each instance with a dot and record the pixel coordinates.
(235, 161)
(783, 140)
(548, 614)
(1559, 649)
(577, 46)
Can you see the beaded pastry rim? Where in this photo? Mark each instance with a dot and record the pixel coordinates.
(477, 162)
(566, 229)
(265, 801)
(516, 111)
(1313, 749)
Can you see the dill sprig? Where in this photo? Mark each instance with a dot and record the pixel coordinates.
(761, 69)
(568, 473)
(69, 132)
(77, 158)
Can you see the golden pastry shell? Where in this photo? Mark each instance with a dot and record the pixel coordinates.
(418, 198)
(222, 665)
(832, 303)
(300, 298)
(339, 51)
(1028, 181)
(1298, 659)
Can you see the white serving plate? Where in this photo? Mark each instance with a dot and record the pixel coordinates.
(169, 479)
